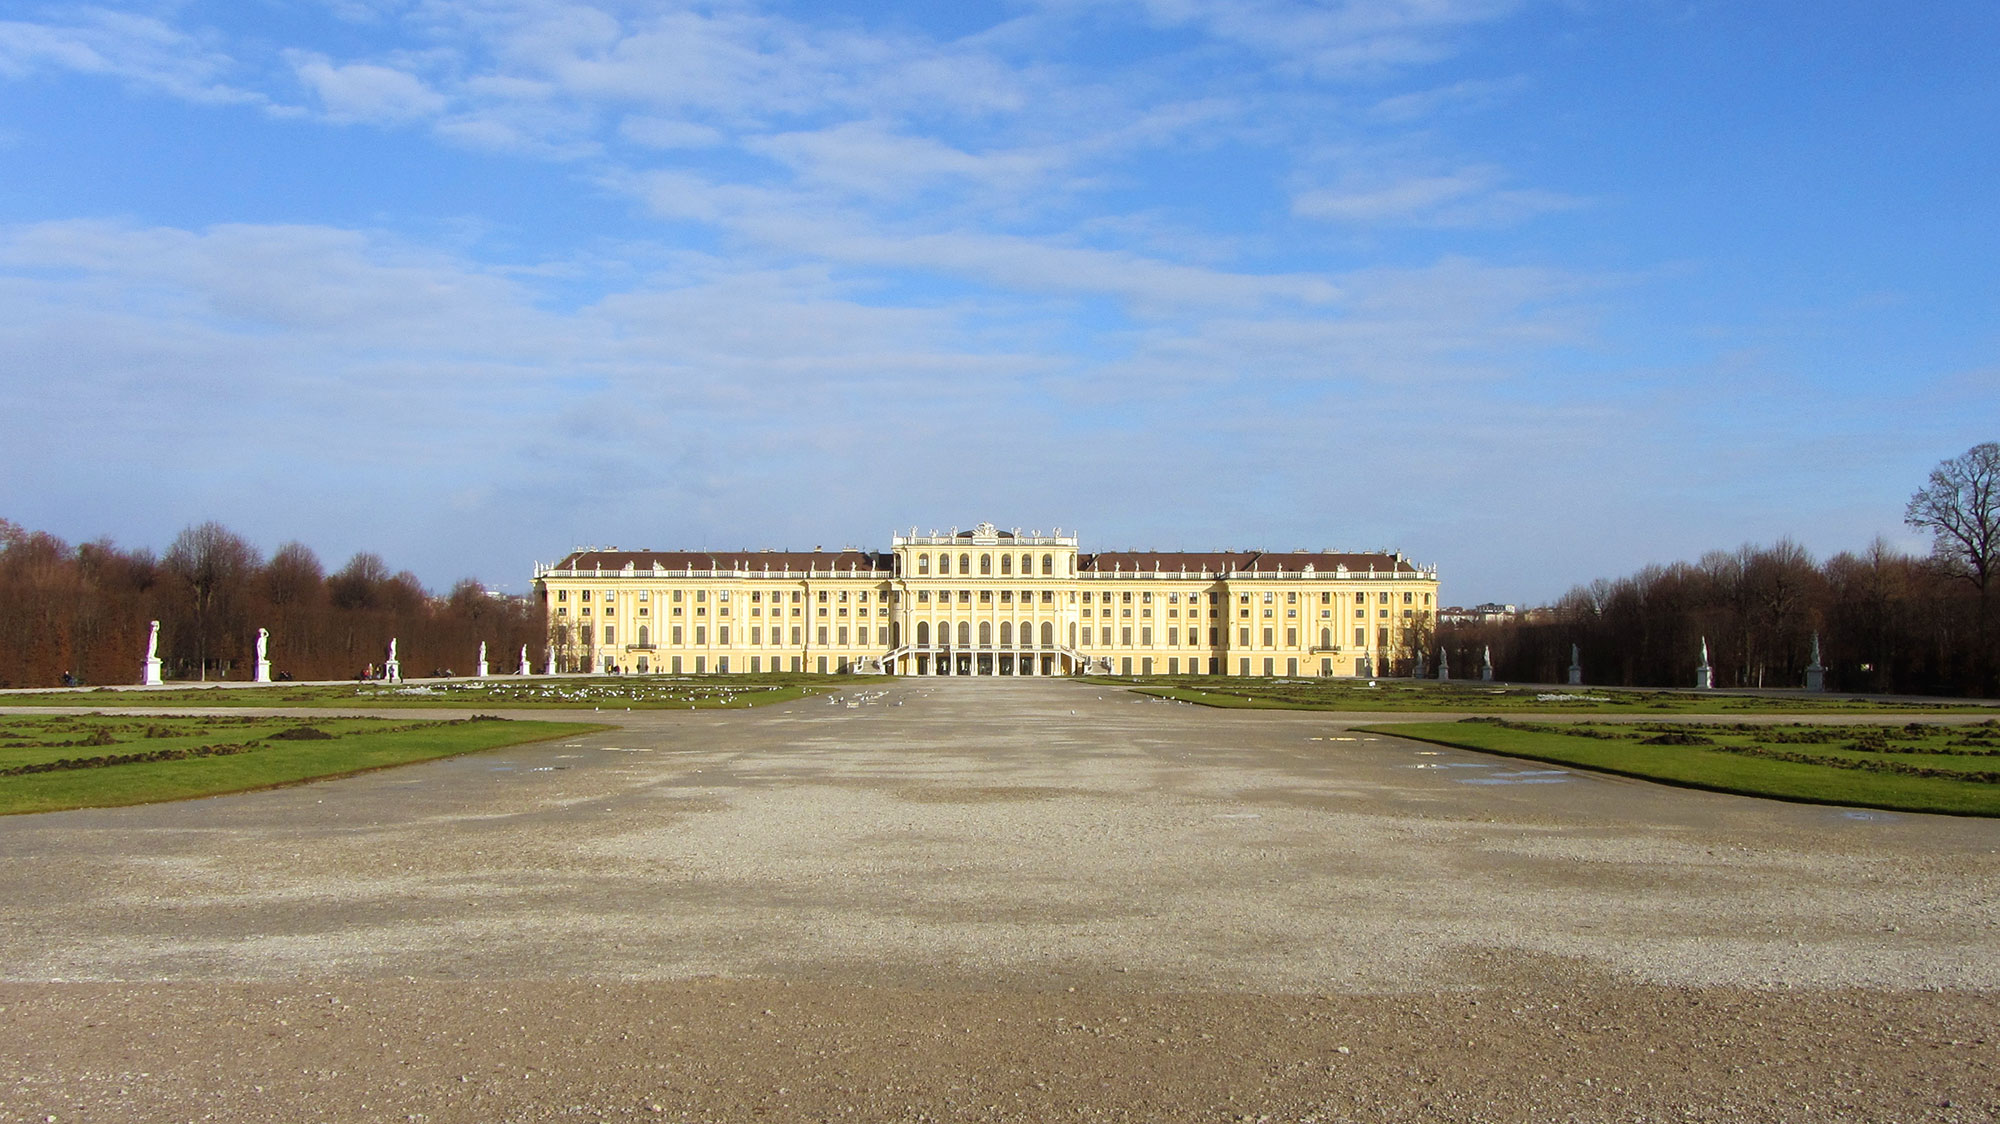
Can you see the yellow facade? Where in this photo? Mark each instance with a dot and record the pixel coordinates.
(986, 602)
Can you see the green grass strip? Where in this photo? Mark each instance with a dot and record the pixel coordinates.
(637, 692)
(253, 761)
(1711, 767)
(1393, 695)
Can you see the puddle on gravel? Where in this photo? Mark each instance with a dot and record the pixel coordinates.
(1525, 776)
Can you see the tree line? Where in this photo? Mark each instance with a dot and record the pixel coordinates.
(85, 612)
(1887, 621)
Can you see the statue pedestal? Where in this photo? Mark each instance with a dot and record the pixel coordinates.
(482, 669)
(1576, 675)
(1704, 678)
(1486, 674)
(392, 671)
(150, 675)
(263, 674)
(1815, 678)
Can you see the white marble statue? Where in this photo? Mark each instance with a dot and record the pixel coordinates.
(262, 673)
(1486, 665)
(526, 668)
(149, 674)
(392, 649)
(482, 659)
(1704, 676)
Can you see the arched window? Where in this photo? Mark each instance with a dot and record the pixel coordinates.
(1006, 564)
(986, 634)
(985, 564)
(923, 634)
(965, 634)
(1048, 565)
(965, 564)
(644, 636)
(1326, 638)
(944, 563)
(1072, 635)
(1006, 631)
(923, 563)
(1072, 565)
(1027, 563)
(1048, 634)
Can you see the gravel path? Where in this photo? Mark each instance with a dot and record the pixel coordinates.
(996, 900)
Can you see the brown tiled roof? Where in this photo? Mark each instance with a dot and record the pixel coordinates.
(754, 561)
(1263, 561)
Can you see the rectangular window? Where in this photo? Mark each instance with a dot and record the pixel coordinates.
(722, 665)
(1243, 666)
(1107, 636)
(1173, 665)
(756, 638)
(1383, 635)
(585, 595)
(843, 636)
(677, 665)
(1214, 638)
(1125, 636)
(1243, 637)
(1267, 638)
(1146, 637)
(701, 665)
(610, 635)
(562, 595)
(797, 633)
(585, 630)
(1326, 667)
(756, 663)
(1291, 638)
(722, 634)
(822, 665)
(882, 636)
(1270, 668)
(701, 634)
(677, 634)
(1361, 638)
(822, 634)
(798, 663)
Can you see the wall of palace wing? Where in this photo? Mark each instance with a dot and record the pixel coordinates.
(986, 602)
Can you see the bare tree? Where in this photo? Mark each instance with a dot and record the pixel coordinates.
(1960, 507)
(211, 564)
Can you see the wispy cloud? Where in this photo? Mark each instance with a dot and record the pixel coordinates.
(140, 50)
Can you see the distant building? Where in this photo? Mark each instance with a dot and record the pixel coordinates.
(984, 602)
(1489, 613)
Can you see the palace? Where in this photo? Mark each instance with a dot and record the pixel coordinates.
(986, 602)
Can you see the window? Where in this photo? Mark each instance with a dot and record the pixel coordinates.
(1361, 638)
(756, 638)
(1243, 637)
(1267, 638)
(723, 597)
(1027, 564)
(923, 564)
(583, 595)
(562, 595)
(843, 636)
(1146, 637)
(923, 634)
(965, 563)
(1048, 634)
(822, 635)
(677, 634)
(1086, 597)
(1214, 637)
(1325, 598)
(1125, 636)
(1007, 564)
(1126, 597)
(1291, 638)
(1269, 597)
(701, 595)
(700, 634)
(822, 597)
(1006, 627)
(1385, 599)
(1291, 597)
(1104, 636)
(923, 597)
(1326, 638)
(1408, 598)
(965, 634)
(645, 637)
(798, 637)
(722, 634)
(677, 595)
(986, 634)
(986, 597)
(1048, 565)
(610, 635)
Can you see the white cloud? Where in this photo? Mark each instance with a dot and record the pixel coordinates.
(140, 50)
(1465, 197)
(365, 91)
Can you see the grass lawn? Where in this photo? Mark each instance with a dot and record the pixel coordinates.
(1486, 698)
(1912, 768)
(52, 762)
(639, 692)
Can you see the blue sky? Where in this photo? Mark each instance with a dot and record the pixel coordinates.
(1537, 292)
